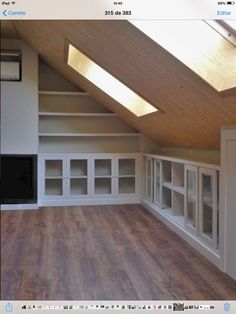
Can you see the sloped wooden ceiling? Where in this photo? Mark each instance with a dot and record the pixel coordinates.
(193, 112)
(8, 30)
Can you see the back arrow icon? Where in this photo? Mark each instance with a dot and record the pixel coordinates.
(4, 12)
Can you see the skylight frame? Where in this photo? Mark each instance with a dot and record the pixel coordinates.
(228, 24)
(132, 103)
(224, 29)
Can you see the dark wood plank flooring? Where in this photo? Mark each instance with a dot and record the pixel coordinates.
(102, 252)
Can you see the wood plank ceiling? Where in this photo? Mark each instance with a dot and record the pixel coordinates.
(193, 112)
(8, 30)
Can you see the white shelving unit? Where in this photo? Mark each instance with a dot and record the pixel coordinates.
(166, 174)
(166, 198)
(63, 93)
(103, 176)
(172, 189)
(70, 121)
(157, 182)
(78, 174)
(74, 114)
(88, 134)
(126, 175)
(208, 206)
(87, 155)
(88, 179)
(184, 194)
(54, 177)
(149, 179)
(191, 199)
(178, 207)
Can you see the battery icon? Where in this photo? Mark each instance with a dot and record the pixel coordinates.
(231, 2)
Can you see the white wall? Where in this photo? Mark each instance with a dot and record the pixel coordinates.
(148, 146)
(19, 105)
(198, 154)
(228, 198)
(52, 80)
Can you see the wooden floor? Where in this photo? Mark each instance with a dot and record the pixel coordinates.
(102, 252)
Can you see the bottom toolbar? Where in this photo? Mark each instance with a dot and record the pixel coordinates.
(217, 307)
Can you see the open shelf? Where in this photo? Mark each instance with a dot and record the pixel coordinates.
(70, 121)
(88, 144)
(166, 198)
(82, 125)
(179, 220)
(166, 172)
(173, 205)
(66, 93)
(168, 211)
(178, 204)
(87, 134)
(178, 174)
(178, 189)
(75, 114)
(168, 185)
(76, 103)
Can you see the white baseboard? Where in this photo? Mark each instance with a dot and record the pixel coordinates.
(95, 201)
(19, 206)
(196, 243)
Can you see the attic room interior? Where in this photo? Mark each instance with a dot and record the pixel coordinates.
(118, 160)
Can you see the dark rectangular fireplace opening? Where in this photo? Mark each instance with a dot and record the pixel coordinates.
(18, 179)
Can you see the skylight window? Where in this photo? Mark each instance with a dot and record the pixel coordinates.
(226, 28)
(198, 45)
(231, 24)
(107, 83)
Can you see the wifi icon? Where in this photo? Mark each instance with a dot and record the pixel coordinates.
(13, 2)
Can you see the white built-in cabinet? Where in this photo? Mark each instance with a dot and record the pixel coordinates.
(63, 176)
(114, 176)
(191, 199)
(157, 184)
(53, 172)
(208, 206)
(186, 194)
(149, 179)
(78, 179)
(86, 176)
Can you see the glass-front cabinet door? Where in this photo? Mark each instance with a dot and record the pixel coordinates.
(191, 199)
(157, 192)
(54, 174)
(78, 177)
(208, 206)
(103, 177)
(149, 179)
(126, 175)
